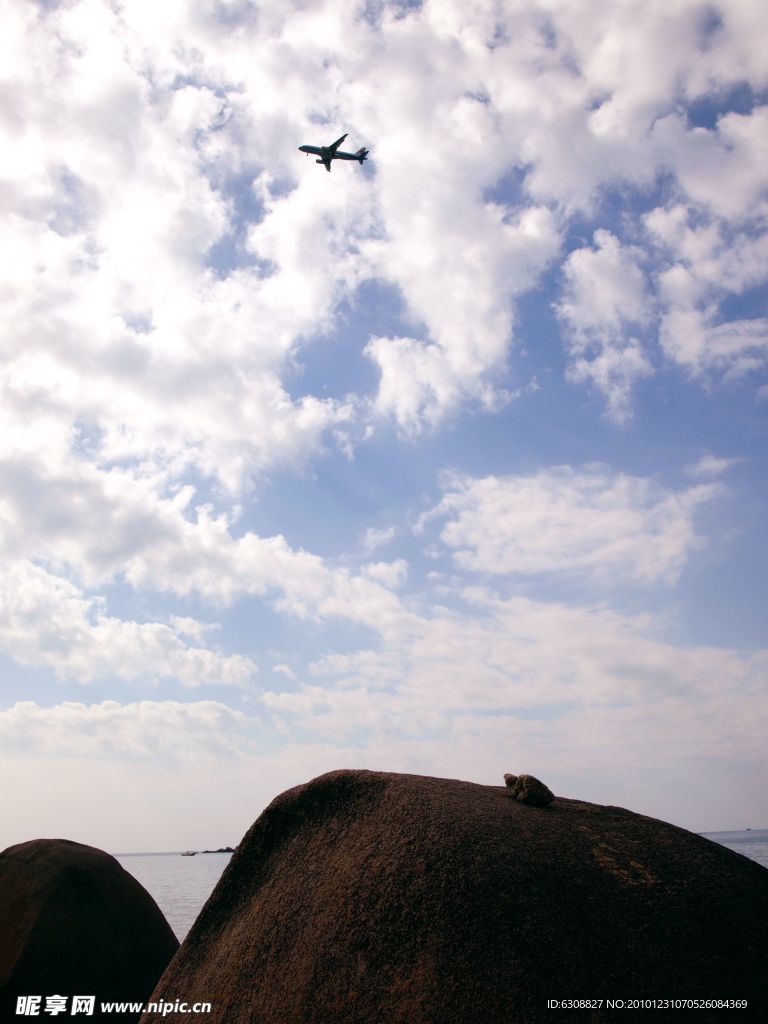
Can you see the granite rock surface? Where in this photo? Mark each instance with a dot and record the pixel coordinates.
(373, 898)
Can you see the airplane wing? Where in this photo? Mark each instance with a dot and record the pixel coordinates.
(335, 145)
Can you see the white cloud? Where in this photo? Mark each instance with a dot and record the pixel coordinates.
(390, 574)
(736, 348)
(192, 628)
(458, 267)
(376, 538)
(514, 685)
(605, 288)
(125, 173)
(711, 465)
(739, 45)
(204, 558)
(593, 522)
(168, 257)
(600, 77)
(47, 621)
(537, 682)
(103, 526)
(637, 78)
(692, 243)
(604, 301)
(142, 729)
(722, 168)
(112, 316)
(706, 261)
(615, 370)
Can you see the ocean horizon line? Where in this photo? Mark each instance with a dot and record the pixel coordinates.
(179, 852)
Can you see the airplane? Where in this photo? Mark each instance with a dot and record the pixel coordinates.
(332, 152)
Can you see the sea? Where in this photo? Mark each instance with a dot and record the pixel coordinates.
(181, 885)
(752, 843)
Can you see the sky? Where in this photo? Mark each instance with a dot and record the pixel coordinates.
(453, 463)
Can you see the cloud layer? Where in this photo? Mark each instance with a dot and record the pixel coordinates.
(565, 212)
(590, 521)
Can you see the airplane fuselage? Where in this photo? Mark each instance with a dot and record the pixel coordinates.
(325, 154)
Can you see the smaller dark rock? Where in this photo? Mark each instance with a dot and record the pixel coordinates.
(509, 780)
(529, 790)
(73, 920)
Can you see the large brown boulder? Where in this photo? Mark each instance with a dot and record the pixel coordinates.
(74, 922)
(371, 898)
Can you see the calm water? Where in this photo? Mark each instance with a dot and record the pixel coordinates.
(752, 844)
(181, 885)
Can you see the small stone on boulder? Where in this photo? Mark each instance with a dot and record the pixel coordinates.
(529, 790)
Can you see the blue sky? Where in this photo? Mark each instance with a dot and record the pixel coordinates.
(453, 463)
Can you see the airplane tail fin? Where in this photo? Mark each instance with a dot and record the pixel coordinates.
(361, 154)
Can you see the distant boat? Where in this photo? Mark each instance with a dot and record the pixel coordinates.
(189, 853)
